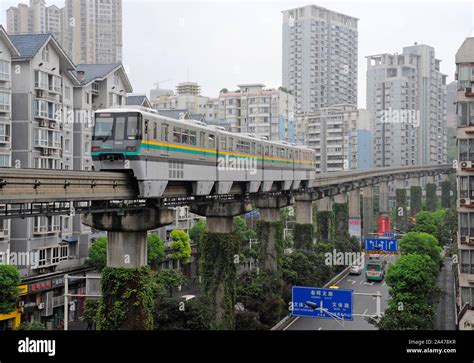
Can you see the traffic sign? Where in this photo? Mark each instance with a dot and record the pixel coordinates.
(381, 244)
(389, 234)
(322, 303)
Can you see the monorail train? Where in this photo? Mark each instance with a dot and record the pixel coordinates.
(162, 152)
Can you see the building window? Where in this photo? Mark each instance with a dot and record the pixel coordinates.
(4, 160)
(45, 54)
(4, 101)
(4, 71)
(4, 133)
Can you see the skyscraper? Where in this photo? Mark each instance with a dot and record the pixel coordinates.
(406, 96)
(89, 30)
(319, 57)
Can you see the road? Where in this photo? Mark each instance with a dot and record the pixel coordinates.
(445, 309)
(362, 305)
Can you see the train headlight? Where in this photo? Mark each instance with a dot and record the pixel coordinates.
(95, 148)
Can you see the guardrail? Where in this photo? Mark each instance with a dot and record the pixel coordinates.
(287, 320)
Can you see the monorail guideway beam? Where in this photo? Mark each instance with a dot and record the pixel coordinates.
(127, 233)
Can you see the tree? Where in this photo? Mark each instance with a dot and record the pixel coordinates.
(412, 281)
(33, 325)
(169, 279)
(401, 209)
(423, 244)
(176, 314)
(98, 253)
(242, 230)
(180, 246)
(155, 249)
(445, 194)
(196, 231)
(9, 293)
(425, 222)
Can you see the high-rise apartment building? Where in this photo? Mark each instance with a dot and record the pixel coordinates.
(253, 109)
(89, 30)
(465, 182)
(319, 57)
(406, 96)
(332, 133)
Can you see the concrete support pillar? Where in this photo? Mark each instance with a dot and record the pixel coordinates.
(324, 205)
(127, 232)
(383, 198)
(368, 211)
(354, 203)
(340, 198)
(304, 209)
(444, 177)
(430, 179)
(220, 224)
(415, 181)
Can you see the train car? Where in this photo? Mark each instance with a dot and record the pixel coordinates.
(161, 151)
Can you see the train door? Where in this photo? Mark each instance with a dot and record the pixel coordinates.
(165, 146)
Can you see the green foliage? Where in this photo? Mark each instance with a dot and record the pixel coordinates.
(260, 292)
(303, 236)
(218, 271)
(156, 249)
(431, 197)
(177, 314)
(9, 293)
(325, 221)
(90, 310)
(242, 230)
(435, 223)
(341, 221)
(248, 320)
(169, 279)
(180, 245)
(451, 224)
(128, 299)
(445, 194)
(98, 253)
(34, 325)
(415, 200)
(423, 244)
(197, 231)
(270, 256)
(401, 202)
(425, 222)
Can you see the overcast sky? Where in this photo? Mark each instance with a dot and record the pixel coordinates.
(223, 43)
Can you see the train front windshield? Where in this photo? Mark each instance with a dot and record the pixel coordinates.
(117, 126)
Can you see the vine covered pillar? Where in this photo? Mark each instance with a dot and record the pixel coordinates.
(324, 218)
(219, 248)
(270, 231)
(127, 300)
(368, 210)
(303, 231)
(383, 198)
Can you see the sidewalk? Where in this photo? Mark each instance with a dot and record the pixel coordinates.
(444, 316)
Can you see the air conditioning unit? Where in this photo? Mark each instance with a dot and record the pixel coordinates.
(464, 202)
(472, 79)
(41, 306)
(52, 124)
(464, 239)
(43, 123)
(40, 94)
(466, 164)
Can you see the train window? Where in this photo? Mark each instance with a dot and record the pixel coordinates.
(202, 139)
(252, 149)
(291, 154)
(259, 149)
(132, 127)
(155, 130)
(185, 136)
(119, 128)
(267, 150)
(212, 141)
(103, 128)
(192, 138)
(224, 143)
(231, 144)
(164, 132)
(177, 135)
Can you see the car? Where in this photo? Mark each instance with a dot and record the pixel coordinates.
(355, 270)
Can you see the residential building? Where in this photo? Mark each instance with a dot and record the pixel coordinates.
(253, 109)
(95, 34)
(89, 30)
(406, 96)
(332, 133)
(465, 182)
(7, 51)
(319, 62)
(138, 100)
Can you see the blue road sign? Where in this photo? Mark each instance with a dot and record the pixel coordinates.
(381, 244)
(322, 303)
